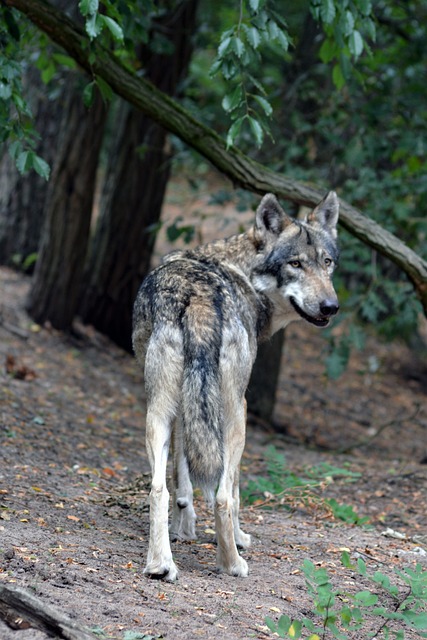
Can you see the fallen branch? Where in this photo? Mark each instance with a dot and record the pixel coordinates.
(20, 609)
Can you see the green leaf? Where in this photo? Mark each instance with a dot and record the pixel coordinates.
(283, 39)
(88, 7)
(264, 104)
(347, 23)
(257, 130)
(283, 625)
(253, 37)
(5, 91)
(366, 598)
(355, 43)
(327, 11)
(41, 167)
(48, 72)
(22, 162)
(364, 6)
(338, 77)
(105, 89)
(114, 28)
(65, 61)
(271, 624)
(223, 46)
(94, 25)
(238, 46)
(254, 5)
(328, 50)
(232, 101)
(273, 29)
(294, 631)
(418, 620)
(88, 94)
(234, 130)
(346, 561)
(361, 566)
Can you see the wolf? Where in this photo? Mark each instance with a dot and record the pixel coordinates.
(198, 319)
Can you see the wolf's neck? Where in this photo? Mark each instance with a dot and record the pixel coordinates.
(239, 250)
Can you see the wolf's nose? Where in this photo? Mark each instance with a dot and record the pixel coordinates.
(329, 308)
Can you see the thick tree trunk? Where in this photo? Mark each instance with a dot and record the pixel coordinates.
(56, 283)
(261, 393)
(133, 191)
(239, 168)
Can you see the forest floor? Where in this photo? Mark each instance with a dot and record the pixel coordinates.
(74, 486)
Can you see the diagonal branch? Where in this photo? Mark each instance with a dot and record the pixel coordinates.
(98, 61)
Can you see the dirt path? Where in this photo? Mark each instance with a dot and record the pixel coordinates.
(73, 494)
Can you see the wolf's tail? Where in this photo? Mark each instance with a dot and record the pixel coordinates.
(202, 413)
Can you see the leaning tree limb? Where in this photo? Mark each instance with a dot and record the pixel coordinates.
(21, 609)
(243, 171)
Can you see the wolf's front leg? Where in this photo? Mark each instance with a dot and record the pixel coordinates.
(159, 561)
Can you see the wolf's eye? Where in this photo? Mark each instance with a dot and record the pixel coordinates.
(328, 262)
(296, 264)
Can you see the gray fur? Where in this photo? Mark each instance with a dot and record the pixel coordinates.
(197, 321)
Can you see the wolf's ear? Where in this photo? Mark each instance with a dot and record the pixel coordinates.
(270, 216)
(326, 213)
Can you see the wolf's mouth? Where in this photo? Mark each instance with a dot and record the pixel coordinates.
(319, 322)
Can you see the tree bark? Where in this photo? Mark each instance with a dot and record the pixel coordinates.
(133, 190)
(239, 168)
(56, 282)
(21, 609)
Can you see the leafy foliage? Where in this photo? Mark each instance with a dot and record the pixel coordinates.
(15, 113)
(336, 614)
(259, 25)
(281, 487)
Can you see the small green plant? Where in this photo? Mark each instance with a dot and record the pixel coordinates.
(336, 614)
(345, 512)
(282, 487)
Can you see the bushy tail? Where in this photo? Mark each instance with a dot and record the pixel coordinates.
(202, 413)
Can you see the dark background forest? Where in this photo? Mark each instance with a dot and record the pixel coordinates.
(331, 94)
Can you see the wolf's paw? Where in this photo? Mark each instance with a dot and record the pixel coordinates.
(163, 571)
(243, 540)
(182, 535)
(183, 524)
(239, 568)
(183, 529)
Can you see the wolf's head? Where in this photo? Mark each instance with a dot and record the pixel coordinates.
(296, 261)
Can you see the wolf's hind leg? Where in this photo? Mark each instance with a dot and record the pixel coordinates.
(243, 540)
(183, 524)
(163, 372)
(228, 532)
(159, 560)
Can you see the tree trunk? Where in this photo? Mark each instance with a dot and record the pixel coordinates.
(261, 393)
(56, 283)
(239, 168)
(133, 191)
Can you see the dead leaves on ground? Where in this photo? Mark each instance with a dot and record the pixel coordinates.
(18, 370)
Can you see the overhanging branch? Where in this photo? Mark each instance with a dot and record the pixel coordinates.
(243, 171)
